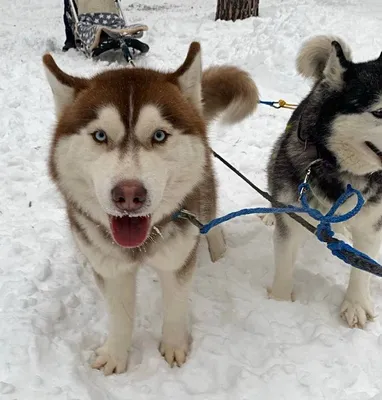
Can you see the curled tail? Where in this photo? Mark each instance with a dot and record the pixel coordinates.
(228, 90)
(314, 55)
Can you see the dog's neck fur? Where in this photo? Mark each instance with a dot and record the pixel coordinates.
(308, 134)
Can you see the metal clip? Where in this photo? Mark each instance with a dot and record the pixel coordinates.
(184, 214)
(302, 191)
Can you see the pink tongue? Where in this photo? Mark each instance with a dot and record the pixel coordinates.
(130, 231)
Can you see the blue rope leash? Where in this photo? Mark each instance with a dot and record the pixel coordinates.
(325, 220)
(324, 233)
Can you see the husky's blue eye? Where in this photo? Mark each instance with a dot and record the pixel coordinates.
(100, 136)
(160, 136)
(377, 113)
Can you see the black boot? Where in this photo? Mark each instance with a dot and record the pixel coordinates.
(69, 44)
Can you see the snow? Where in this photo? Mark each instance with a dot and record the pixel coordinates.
(244, 345)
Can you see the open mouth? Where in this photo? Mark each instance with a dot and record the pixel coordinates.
(374, 149)
(130, 231)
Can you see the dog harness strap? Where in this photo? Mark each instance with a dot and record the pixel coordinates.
(185, 214)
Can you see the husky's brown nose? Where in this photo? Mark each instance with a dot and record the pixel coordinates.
(129, 195)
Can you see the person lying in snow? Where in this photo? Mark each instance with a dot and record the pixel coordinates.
(97, 18)
(88, 6)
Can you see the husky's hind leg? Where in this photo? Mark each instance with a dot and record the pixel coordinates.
(215, 237)
(287, 238)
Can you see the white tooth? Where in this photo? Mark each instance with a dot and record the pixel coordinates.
(156, 229)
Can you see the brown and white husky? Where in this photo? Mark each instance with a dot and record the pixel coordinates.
(130, 149)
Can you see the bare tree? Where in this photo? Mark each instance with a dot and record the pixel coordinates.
(231, 10)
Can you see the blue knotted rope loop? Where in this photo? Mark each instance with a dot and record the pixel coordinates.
(324, 227)
(339, 248)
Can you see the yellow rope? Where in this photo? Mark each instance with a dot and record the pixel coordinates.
(284, 104)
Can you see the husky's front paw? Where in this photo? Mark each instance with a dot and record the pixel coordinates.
(174, 354)
(111, 358)
(357, 312)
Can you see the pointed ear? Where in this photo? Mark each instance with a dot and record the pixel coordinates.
(336, 66)
(189, 75)
(64, 87)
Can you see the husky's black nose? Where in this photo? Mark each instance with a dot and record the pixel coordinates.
(129, 195)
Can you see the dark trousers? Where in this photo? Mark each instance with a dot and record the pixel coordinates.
(68, 32)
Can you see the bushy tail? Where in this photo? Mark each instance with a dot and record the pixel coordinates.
(228, 90)
(314, 55)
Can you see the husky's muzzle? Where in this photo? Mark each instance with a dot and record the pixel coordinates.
(130, 229)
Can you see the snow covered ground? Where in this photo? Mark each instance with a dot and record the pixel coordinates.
(245, 346)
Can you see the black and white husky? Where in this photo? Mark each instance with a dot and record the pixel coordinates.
(338, 128)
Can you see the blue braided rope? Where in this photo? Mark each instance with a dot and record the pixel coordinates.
(246, 211)
(325, 220)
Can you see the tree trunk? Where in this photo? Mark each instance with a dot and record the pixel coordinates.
(231, 10)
